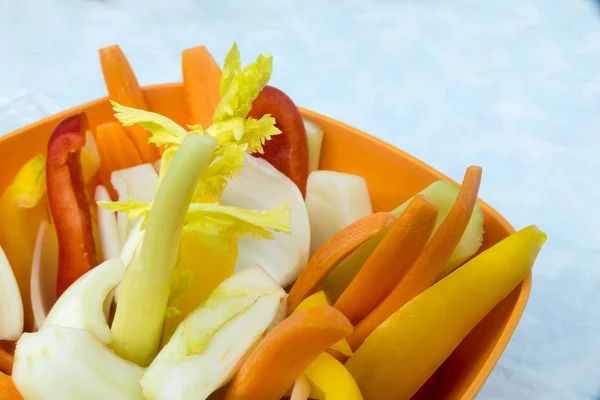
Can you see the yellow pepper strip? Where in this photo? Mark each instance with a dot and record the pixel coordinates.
(332, 380)
(321, 299)
(404, 351)
(207, 268)
(22, 209)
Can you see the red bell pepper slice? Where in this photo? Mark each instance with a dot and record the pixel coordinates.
(68, 202)
(287, 152)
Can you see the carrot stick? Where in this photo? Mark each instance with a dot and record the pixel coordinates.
(431, 261)
(333, 252)
(123, 87)
(6, 361)
(390, 261)
(116, 151)
(8, 391)
(201, 81)
(286, 352)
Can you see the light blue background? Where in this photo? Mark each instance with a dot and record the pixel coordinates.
(513, 86)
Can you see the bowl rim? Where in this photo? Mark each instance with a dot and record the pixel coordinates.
(525, 287)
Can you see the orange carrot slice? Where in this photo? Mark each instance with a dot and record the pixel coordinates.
(201, 81)
(116, 151)
(6, 361)
(390, 261)
(8, 391)
(333, 252)
(123, 87)
(286, 352)
(430, 263)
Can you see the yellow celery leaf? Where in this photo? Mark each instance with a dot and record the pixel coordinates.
(218, 219)
(243, 89)
(134, 208)
(204, 269)
(164, 130)
(254, 132)
(214, 180)
(23, 207)
(231, 67)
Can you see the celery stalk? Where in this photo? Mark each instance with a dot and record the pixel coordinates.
(144, 293)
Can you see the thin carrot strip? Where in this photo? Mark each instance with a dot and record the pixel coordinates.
(6, 361)
(8, 391)
(123, 87)
(333, 252)
(201, 81)
(430, 263)
(116, 151)
(286, 352)
(390, 261)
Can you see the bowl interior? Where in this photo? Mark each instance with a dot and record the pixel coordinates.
(392, 176)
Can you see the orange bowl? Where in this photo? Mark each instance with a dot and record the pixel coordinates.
(392, 176)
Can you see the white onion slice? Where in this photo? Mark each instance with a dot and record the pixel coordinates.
(139, 182)
(11, 304)
(314, 137)
(301, 390)
(260, 186)
(334, 200)
(110, 240)
(44, 268)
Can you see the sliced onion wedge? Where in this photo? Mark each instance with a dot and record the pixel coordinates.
(260, 186)
(110, 239)
(334, 200)
(43, 273)
(209, 346)
(140, 183)
(314, 136)
(11, 304)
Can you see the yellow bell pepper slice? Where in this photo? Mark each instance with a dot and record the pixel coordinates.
(404, 351)
(331, 380)
(321, 299)
(207, 268)
(22, 208)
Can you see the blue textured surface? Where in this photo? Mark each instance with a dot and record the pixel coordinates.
(513, 86)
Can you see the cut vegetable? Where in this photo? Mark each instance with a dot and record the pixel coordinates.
(444, 194)
(72, 364)
(139, 183)
(145, 290)
(43, 273)
(287, 152)
(390, 261)
(107, 226)
(6, 362)
(400, 355)
(123, 87)
(332, 379)
(11, 305)
(201, 81)
(301, 390)
(286, 256)
(116, 150)
(334, 200)
(22, 207)
(8, 391)
(286, 351)
(333, 252)
(67, 201)
(208, 347)
(430, 263)
(314, 135)
(90, 158)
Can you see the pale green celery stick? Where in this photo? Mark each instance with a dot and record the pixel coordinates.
(144, 292)
(443, 194)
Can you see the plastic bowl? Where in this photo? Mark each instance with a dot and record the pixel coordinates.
(392, 176)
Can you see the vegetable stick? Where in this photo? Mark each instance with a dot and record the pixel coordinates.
(117, 152)
(333, 252)
(201, 81)
(123, 87)
(6, 361)
(286, 352)
(8, 391)
(390, 261)
(431, 261)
